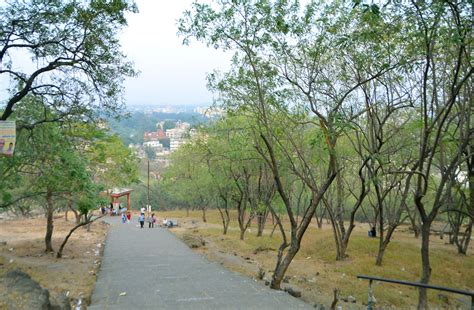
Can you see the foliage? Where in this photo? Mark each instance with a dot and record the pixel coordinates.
(76, 66)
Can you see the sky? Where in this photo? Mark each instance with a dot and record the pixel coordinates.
(171, 73)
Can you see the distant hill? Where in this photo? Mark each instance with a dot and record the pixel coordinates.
(131, 129)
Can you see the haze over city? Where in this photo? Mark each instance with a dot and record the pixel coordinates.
(170, 72)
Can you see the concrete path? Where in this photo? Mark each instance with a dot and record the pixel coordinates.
(157, 271)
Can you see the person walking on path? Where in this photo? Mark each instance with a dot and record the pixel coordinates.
(124, 218)
(141, 219)
(150, 221)
(129, 216)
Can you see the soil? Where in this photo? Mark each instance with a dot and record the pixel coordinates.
(22, 247)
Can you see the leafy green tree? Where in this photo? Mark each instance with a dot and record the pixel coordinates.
(76, 62)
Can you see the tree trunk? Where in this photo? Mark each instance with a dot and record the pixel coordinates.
(87, 222)
(261, 220)
(425, 264)
(204, 215)
(463, 244)
(225, 218)
(384, 244)
(49, 222)
(60, 252)
(282, 266)
(273, 230)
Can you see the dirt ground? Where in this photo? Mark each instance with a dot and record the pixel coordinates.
(22, 247)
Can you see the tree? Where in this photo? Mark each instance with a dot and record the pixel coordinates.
(440, 40)
(249, 86)
(85, 205)
(76, 63)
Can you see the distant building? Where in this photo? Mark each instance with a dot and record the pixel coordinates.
(176, 143)
(154, 136)
(153, 144)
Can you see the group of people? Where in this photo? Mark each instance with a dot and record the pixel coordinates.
(151, 220)
(112, 211)
(126, 216)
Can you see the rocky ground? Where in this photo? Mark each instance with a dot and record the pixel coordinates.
(22, 255)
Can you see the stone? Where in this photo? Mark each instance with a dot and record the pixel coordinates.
(193, 242)
(262, 249)
(62, 302)
(443, 298)
(351, 299)
(293, 292)
(319, 307)
(22, 292)
(3, 243)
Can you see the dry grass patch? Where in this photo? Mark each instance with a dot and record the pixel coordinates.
(315, 271)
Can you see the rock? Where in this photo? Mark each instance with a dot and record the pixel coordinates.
(443, 298)
(123, 294)
(193, 242)
(293, 292)
(3, 243)
(22, 292)
(351, 299)
(262, 249)
(10, 249)
(62, 302)
(267, 282)
(312, 280)
(319, 307)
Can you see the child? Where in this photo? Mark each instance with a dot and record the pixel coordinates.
(124, 218)
(141, 219)
(129, 216)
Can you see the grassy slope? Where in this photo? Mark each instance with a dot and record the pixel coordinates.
(315, 270)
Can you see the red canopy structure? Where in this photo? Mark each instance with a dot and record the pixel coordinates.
(116, 193)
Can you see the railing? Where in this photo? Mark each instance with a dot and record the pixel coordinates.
(371, 302)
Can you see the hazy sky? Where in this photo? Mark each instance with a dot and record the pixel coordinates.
(171, 73)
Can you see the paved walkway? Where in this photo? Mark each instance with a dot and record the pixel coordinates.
(158, 271)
